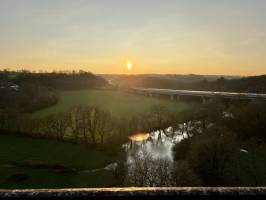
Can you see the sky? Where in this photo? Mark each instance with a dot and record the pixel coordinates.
(158, 36)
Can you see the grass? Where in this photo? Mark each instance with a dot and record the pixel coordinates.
(120, 104)
(19, 149)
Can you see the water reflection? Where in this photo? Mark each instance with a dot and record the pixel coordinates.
(151, 152)
(158, 143)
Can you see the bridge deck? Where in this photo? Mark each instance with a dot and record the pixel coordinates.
(201, 93)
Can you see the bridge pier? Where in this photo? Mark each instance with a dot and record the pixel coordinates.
(147, 94)
(204, 100)
(172, 97)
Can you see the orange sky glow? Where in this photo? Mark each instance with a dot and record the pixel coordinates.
(161, 37)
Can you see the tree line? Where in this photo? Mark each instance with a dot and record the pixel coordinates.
(226, 145)
(27, 98)
(56, 80)
(24, 91)
(223, 145)
(90, 125)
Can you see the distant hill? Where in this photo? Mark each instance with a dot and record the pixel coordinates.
(26, 92)
(61, 81)
(177, 77)
(256, 84)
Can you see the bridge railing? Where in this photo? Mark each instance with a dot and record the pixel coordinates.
(131, 192)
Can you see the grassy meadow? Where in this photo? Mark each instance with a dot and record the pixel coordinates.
(18, 150)
(120, 104)
(27, 162)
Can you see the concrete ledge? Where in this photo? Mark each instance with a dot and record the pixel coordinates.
(131, 192)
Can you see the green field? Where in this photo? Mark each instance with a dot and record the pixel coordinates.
(20, 149)
(120, 104)
(17, 149)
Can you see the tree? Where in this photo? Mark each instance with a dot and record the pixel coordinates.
(120, 171)
(91, 121)
(77, 123)
(210, 154)
(141, 168)
(160, 119)
(105, 124)
(59, 123)
(184, 175)
(181, 149)
(248, 120)
(159, 113)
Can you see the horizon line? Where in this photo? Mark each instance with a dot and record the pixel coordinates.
(125, 74)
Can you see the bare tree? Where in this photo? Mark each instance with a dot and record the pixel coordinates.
(91, 122)
(93, 116)
(160, 119)
(47, 128)
(105, 125)
(142, 168)
(77, 123)
(60, 122)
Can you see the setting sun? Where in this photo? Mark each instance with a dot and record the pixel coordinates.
(129, 65)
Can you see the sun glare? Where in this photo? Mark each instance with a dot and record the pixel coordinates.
(139, 137)
(129, 65)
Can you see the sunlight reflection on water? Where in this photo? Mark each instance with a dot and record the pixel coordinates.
(150, 152)
(139, 137)
(158, 144)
